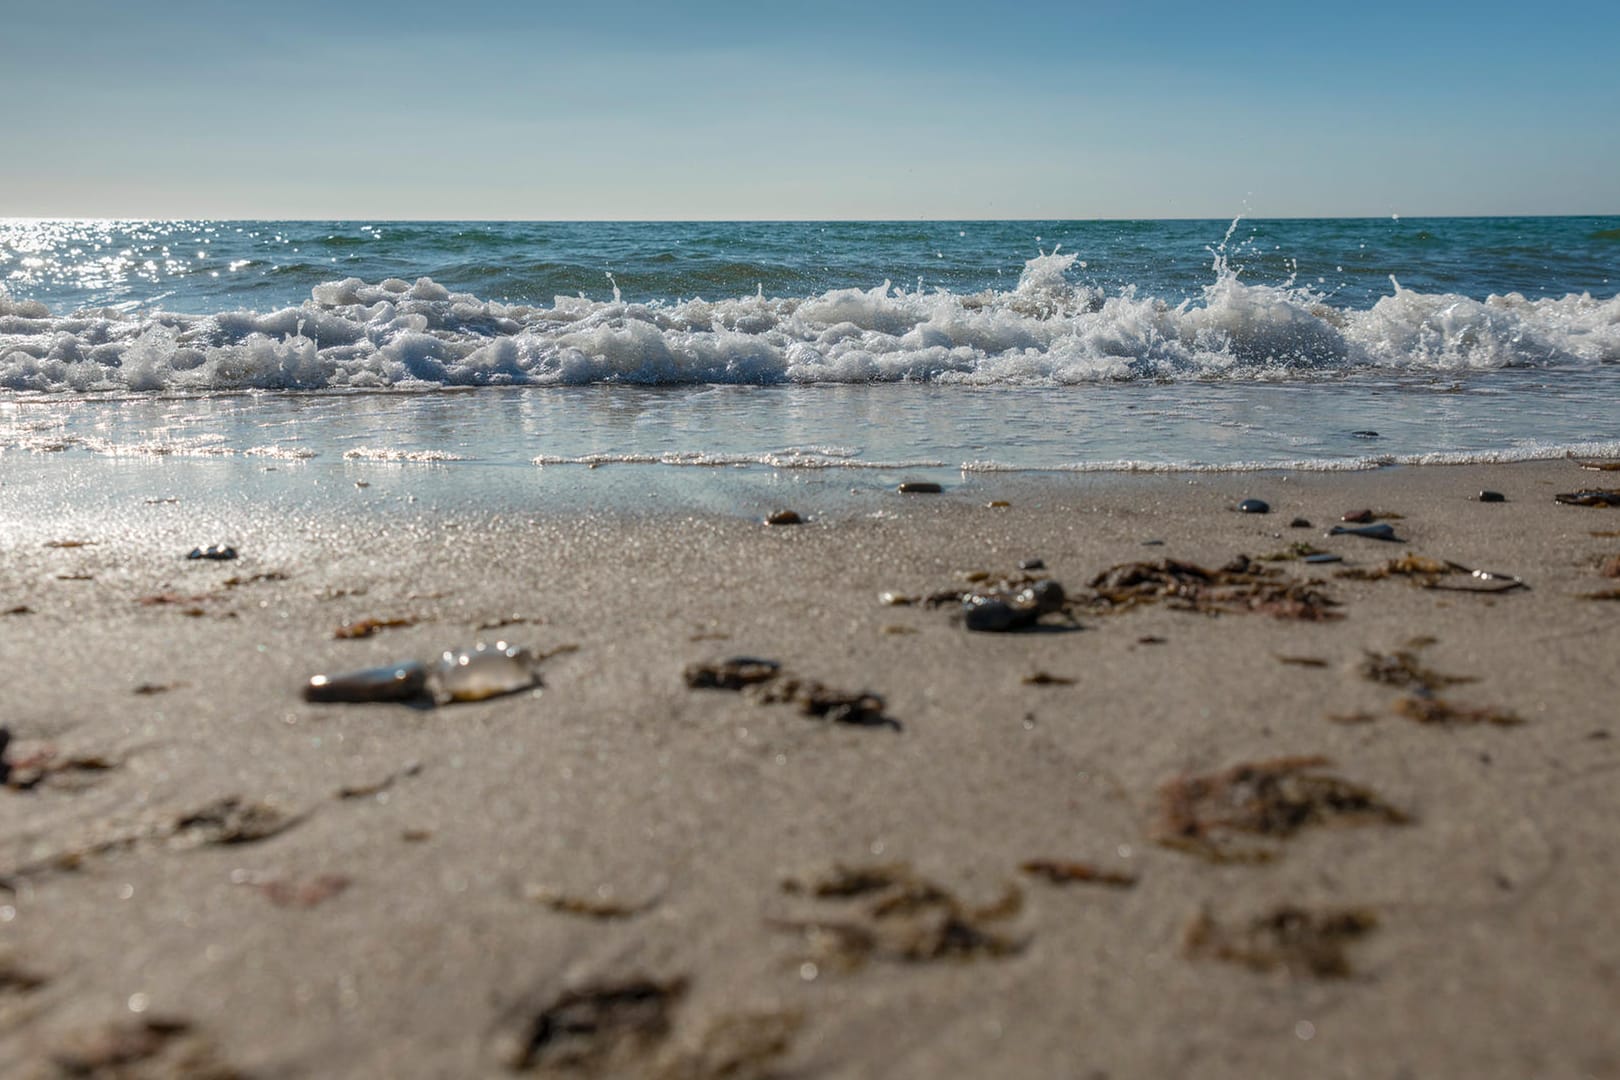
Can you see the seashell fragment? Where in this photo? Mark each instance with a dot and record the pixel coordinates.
(484, 671)
(392, 682)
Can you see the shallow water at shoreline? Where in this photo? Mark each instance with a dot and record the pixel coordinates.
(1174, 346)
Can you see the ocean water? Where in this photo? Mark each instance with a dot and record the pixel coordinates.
(524, 356)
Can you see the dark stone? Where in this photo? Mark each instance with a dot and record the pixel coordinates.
(1357, 517)
(1365, 434)
(784, 517)
(1032, 564)
(217, 552)
(1254, 506)
(1300, 523)
(1492, 496)
(1371, 532)
(989, 614)
(919, 487)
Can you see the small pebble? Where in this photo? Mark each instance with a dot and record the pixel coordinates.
(1358, 517)
(920, 487)
(217, 552)
(1254, 506)
(988, 614)
(1372, 532)
(784, 517)
(998, 504)
(1492, 496)
(1300, 523)
(1032, 564)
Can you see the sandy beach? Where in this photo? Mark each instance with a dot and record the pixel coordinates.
(1045, 865)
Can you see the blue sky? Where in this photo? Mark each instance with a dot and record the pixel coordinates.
(836, 109)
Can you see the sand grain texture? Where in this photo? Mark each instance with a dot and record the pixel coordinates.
(1497, 949)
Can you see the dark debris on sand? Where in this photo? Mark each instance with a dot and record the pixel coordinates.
(1215, 815)
(889, 912)
(1428, 709)
(1242, 585)
(1402, 668)
(605, 1028)
(151, 1047)
(49, 767)
(1288, 938)
(1589, 497)
(1067, 872)
(999, 604)
(767, 683)
(231, 820)
(1430, 573)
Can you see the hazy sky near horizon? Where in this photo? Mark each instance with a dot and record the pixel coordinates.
(835, 109)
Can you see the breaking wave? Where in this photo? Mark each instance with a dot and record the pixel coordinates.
(1046, 331)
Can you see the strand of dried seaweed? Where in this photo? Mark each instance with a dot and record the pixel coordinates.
(1209, 814)
(1291, 938)
(1242, 585)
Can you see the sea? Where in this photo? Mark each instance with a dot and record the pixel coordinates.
(570, 363)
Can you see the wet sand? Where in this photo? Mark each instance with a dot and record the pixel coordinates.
(595, 873)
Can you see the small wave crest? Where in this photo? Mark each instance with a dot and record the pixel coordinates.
(1047, 330)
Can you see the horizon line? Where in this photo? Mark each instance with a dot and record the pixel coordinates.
(13, 218)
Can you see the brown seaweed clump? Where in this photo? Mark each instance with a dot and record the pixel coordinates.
(1242, 585)
(1066, 872)
(1288, 938)
(1427, 573)
(231, 820)
(1589, 497)
(17, 979)
(149, 1047)
(600, 1029)
(365, 628)
(1211, 814)
(1402, 668)
(589, 906)
(767, 683)
(1427, 709)
(48, 767)
(889, 912)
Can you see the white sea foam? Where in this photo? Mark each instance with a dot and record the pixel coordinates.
(394, 334)
(382, 453)
(1361, 463)
(783, 459)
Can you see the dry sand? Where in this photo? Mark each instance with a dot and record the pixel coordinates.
(401, 932)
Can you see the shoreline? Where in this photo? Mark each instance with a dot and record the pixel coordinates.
(405, 929)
